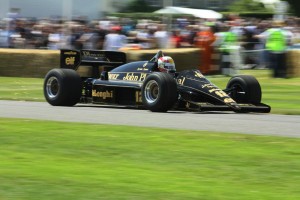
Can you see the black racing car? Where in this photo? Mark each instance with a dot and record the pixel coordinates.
(110, 80)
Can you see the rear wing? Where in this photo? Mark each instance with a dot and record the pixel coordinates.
(72, 59)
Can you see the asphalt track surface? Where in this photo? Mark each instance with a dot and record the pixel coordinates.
(228, 122)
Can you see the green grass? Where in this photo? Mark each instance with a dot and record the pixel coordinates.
(282, 94)
(16, 88)
(52, 160)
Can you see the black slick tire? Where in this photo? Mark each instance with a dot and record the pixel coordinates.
(244, 89)
(62, 87)
(159, 92)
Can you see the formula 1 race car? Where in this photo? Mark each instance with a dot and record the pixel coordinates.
(153, 84)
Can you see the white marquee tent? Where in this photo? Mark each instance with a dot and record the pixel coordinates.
(201, 13)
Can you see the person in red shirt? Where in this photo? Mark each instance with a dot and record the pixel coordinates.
(176, 39)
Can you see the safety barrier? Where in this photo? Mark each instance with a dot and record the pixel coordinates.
(36, 63)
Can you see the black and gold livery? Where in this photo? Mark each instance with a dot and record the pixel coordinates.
(112, 81)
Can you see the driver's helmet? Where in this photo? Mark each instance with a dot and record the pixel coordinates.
(166, 64)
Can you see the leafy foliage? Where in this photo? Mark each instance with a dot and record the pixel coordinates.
(294, 7)
(138, 6)
(244, 6)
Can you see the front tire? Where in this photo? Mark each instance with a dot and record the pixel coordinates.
(244, 89)
(159, 92)
(62, 87)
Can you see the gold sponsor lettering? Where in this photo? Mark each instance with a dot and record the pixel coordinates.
(138, 97)
(103, 94)
(180, 81)
(221, 93)
(70, 53)
(218, 92)
(208, 86)
(198, 74)
(142, 69)
(91, 54)
(70, 61)
(229, 100)
(213, 90)
(143, 77)
(131, 77)
(113, 76)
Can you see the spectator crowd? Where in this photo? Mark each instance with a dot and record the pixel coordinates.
(124, 33)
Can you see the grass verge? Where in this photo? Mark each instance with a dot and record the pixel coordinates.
(24, 89)
(54, 160)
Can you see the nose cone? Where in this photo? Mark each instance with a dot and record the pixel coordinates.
(235, 106)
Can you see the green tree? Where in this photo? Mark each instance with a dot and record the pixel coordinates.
(138, 6)
(294, 7)
(245, 6)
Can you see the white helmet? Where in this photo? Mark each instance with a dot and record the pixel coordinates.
(166, 64)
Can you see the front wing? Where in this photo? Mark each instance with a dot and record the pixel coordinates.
(200, 107)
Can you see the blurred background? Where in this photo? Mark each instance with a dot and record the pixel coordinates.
(150, 24)
(54, 160)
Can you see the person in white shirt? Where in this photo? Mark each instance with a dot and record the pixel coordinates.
(114, 40)
(162, 37)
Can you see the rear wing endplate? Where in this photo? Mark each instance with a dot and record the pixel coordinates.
(72, 59)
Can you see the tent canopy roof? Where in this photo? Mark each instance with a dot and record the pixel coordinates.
(201, 13)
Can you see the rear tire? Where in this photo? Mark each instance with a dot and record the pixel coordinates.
(62, 87)
(159, 92)
(244, 89)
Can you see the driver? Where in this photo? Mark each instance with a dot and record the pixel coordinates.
(166, 64)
